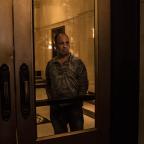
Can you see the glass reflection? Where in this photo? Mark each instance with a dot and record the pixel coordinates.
(76, 18)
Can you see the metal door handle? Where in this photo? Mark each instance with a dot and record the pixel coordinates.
(24, 90)
(5, 92)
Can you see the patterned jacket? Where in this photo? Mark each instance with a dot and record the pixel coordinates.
(66, 80)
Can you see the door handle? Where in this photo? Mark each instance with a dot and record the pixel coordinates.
(24, 90)
(5, 92)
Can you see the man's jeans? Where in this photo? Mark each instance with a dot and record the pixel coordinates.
(61, 116)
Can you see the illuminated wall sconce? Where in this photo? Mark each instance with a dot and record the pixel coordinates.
(50, 45)
(93, 34)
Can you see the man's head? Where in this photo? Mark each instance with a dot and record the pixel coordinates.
(62, 44)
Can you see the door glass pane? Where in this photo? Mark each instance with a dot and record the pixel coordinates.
(76, 19)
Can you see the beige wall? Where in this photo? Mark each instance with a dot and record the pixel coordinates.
(53, 11)
(78, 19)
(141, 97)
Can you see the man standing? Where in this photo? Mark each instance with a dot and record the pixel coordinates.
(66, 77)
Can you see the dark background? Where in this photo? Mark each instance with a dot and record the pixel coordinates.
(125, 50)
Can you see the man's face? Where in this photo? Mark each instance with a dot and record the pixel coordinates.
(62, 45)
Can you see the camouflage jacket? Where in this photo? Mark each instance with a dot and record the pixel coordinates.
(66, 80)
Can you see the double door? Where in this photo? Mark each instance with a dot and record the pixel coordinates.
(17, 112)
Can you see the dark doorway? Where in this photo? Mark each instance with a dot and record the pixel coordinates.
(54, 32)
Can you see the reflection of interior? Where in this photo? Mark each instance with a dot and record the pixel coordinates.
(77, 20)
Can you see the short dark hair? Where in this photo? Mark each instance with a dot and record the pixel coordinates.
(57, 35)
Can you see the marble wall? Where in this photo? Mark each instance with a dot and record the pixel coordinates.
(78, 19)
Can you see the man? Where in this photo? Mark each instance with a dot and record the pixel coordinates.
(66, 77)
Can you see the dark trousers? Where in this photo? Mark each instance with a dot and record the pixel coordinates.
(61, 116)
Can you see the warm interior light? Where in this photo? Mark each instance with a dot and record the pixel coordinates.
(93, 32)
(50, 45)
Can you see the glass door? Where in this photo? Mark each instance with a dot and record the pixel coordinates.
(77, 20)
(87, 23)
